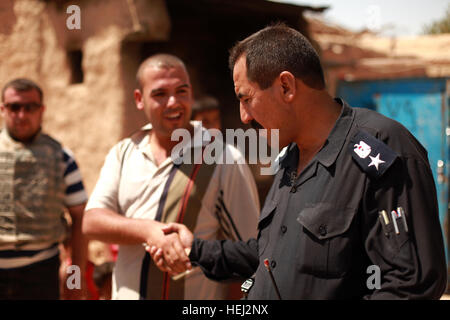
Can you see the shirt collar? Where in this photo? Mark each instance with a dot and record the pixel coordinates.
(335, 141)
(201, 138)
(333, 145)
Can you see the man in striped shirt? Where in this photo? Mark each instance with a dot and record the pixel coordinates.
(39, 181)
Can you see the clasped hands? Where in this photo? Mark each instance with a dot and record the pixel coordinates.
(170, 252)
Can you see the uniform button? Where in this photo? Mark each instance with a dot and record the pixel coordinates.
(294, 189)
(273, 264)
(283, 229)
(323, 230)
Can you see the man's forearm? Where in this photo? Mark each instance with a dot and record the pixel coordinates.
(78, 245)
(108, 226)
(225, 259)
(78, 242)
(78, 248)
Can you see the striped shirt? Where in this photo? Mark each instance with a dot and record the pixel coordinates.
(75, 194)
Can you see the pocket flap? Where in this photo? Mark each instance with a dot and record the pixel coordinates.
(325, 220)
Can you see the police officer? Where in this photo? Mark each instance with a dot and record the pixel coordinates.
(354, 198)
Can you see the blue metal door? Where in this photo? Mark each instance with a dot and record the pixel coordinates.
(422, 106)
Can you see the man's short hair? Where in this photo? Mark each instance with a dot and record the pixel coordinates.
(204, 104)
(21, 85)
(160, 61)
(275, 49)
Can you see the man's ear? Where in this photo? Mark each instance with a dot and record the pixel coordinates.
(288, 86)
(42, 110)
(138, 99)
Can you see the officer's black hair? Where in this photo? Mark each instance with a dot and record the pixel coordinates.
(275, 49)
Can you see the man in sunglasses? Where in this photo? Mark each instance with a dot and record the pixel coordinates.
(39, 180)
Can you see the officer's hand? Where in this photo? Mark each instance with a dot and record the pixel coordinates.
(185, 236)
(172, 257)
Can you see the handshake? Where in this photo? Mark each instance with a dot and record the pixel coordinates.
(170, 249)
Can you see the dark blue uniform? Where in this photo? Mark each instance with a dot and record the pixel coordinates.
(329, 230)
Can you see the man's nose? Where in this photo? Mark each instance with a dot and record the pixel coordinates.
(21, 113)
(245, 116)
(172, 101)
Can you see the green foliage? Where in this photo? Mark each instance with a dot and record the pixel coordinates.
(439, 26)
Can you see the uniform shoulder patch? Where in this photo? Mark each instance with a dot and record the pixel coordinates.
(372, 155)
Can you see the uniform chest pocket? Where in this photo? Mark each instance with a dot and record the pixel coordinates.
(265, 219)
(326, 241)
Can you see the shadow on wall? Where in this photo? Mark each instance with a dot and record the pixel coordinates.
(7, 17)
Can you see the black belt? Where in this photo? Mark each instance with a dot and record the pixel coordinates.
(23, 253)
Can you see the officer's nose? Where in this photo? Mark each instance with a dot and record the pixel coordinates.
(245, 116)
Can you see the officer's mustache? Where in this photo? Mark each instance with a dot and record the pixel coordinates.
(256, 125)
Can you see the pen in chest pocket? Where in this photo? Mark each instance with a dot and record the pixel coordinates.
(401, 212)
(394, 216)
(384, 220)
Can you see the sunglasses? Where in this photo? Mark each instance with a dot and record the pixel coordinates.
(27, 107)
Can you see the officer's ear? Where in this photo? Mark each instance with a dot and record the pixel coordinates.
(138, 99)
(287, 86)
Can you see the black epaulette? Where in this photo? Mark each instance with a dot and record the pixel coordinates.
(372, 155)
